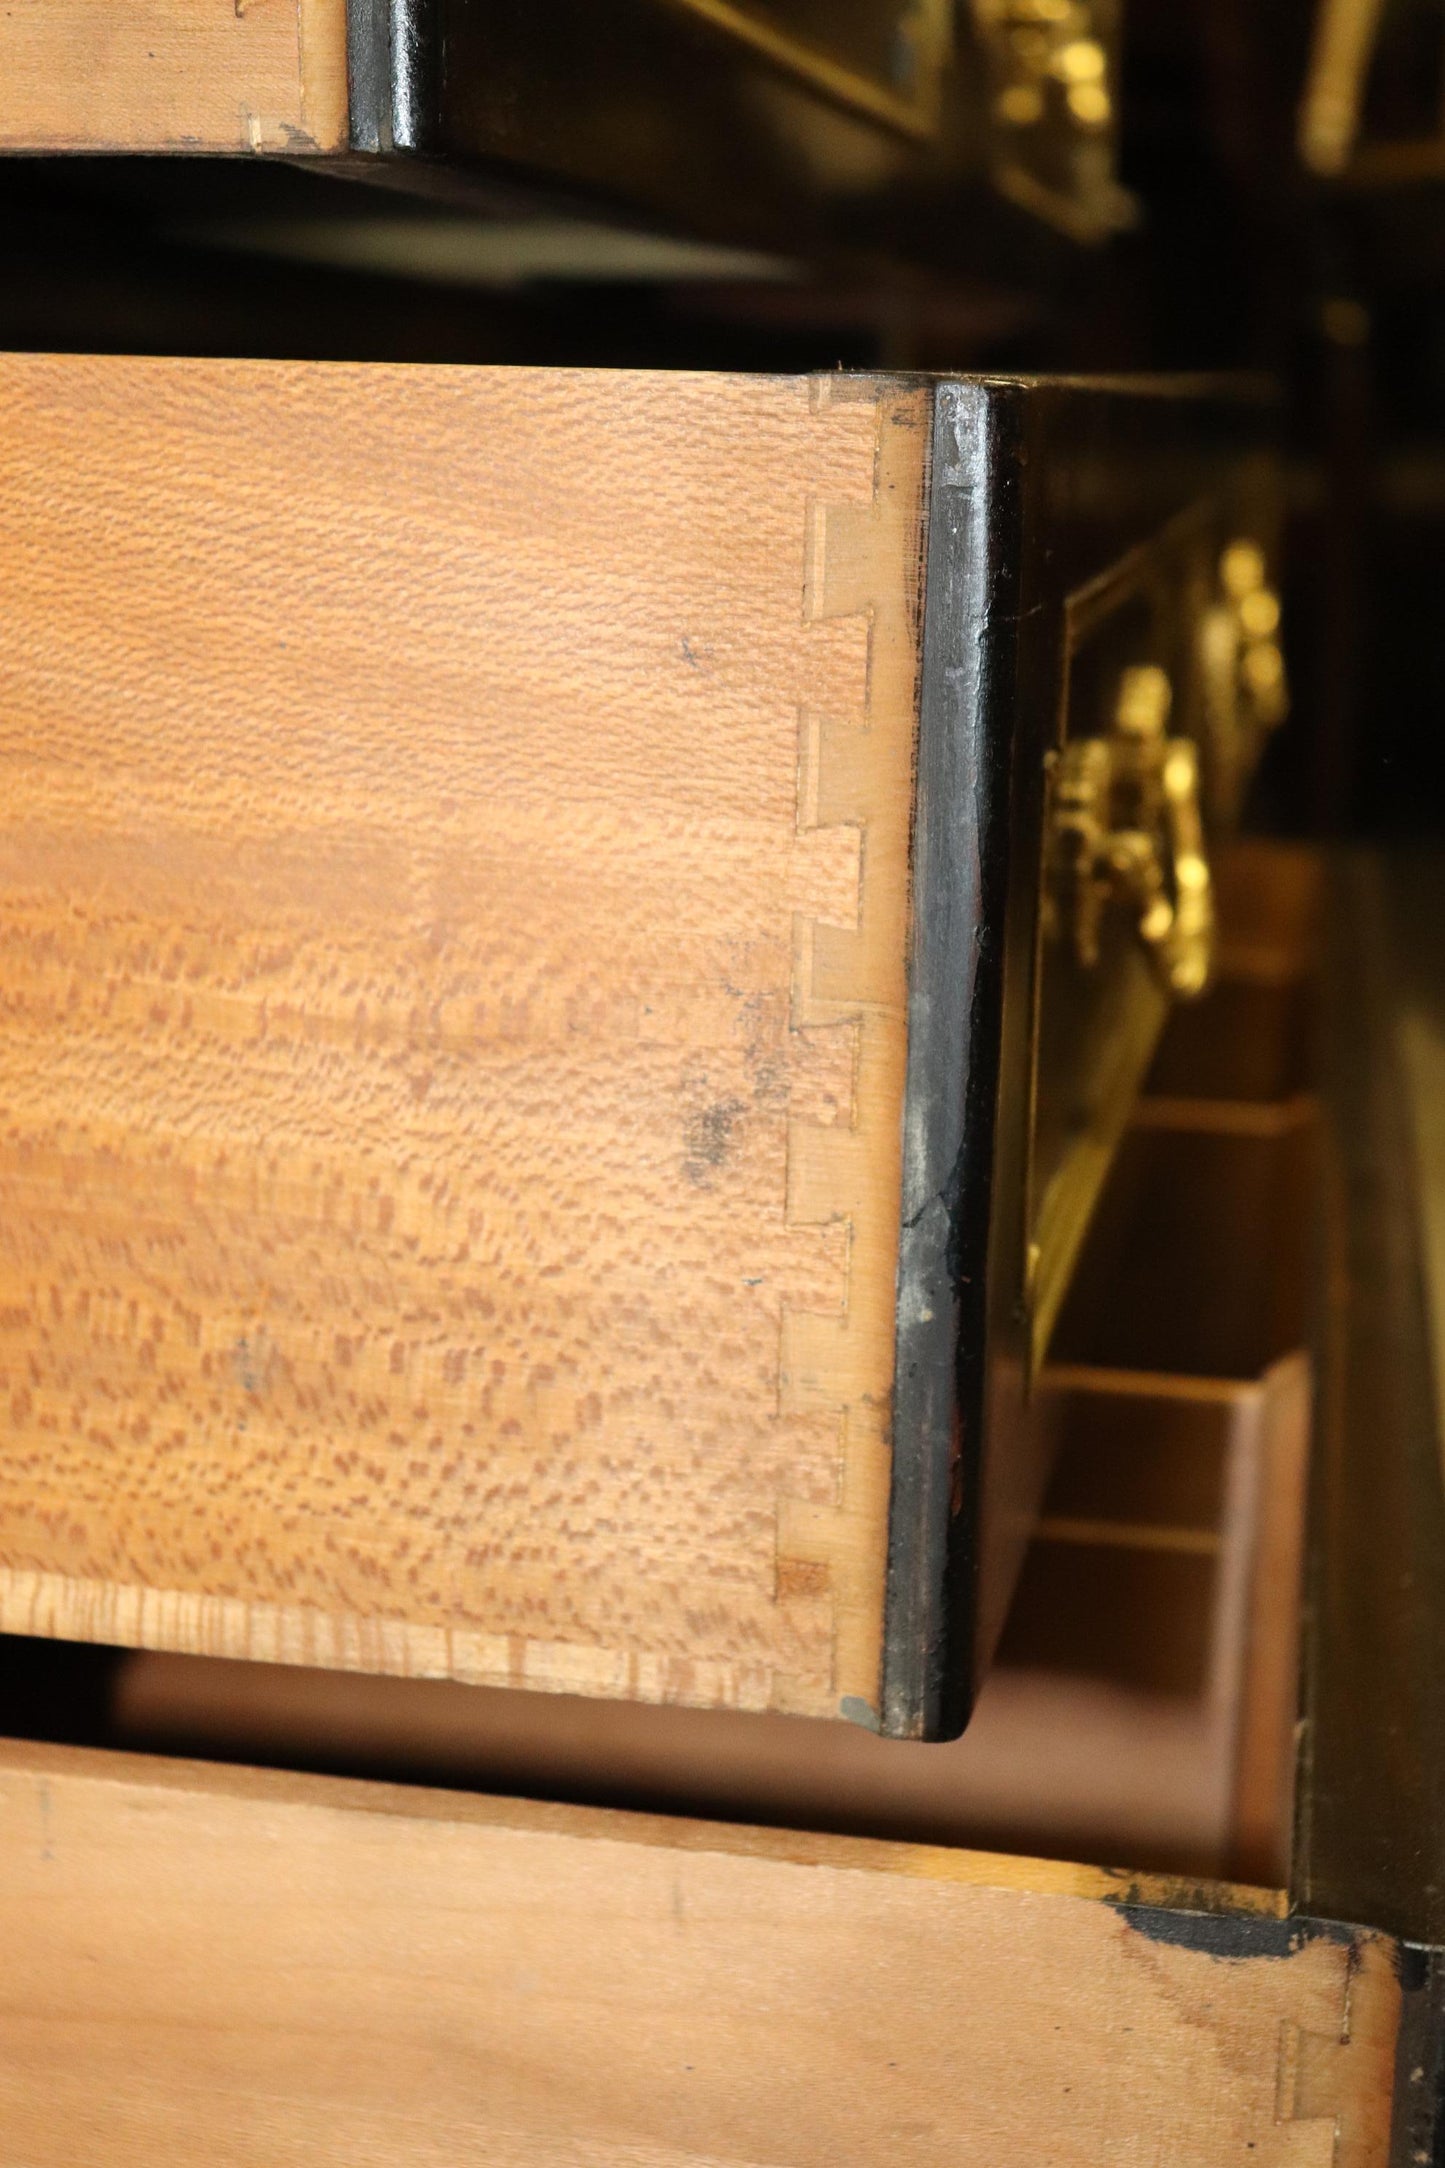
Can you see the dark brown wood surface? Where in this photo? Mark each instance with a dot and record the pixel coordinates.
(1371, 1837)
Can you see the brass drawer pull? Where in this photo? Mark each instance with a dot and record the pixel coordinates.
(1242, 673)
(1126, 832)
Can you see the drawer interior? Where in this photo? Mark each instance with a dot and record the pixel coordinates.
(1197, 1263)
(1141, 1711)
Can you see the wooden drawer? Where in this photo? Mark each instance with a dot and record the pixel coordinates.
(800, 124)
(235, 1968)
(523, 962)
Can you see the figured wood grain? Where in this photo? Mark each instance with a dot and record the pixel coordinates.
(173, 75)
(404, 1259)
(233, 1969)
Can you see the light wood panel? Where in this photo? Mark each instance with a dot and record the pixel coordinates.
(450, 1063)
(235, 1969)
(173, 75)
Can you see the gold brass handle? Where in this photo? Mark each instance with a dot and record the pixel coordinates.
(1047, 50)
(1126, 832)
(1242, 673)
(1345, 36)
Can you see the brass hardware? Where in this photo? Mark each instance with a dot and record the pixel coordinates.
(1125, 832)
(1344, 44)
(1047, 54)
(1051, 68)
(1242, 671)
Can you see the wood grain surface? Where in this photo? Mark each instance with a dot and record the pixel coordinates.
(230, 1969)
(173, 75)
(450, 1065)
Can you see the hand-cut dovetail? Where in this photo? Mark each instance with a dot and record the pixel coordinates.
(1345, 2078)
(857, 771)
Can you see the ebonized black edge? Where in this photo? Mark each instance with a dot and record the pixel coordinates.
(392, 74)
(959, 883)
(1037, 488)
(368, 73)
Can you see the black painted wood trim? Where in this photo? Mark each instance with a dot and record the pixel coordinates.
(959, 877)
(392, 69)
(368, 73)
(638, 109)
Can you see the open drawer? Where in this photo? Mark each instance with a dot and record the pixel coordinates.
(569, 983)
(704, 115)
(237, 1968)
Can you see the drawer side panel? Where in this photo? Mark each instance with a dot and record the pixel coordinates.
(173, 75)
(452, 881)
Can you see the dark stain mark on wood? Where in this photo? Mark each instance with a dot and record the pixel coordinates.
(251, 1359)
(708, 1138)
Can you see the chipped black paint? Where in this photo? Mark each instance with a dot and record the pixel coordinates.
(368, 73)
(1232, 1935)
(1418, 2107)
